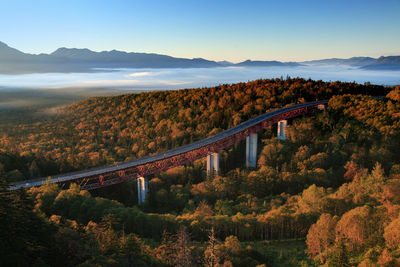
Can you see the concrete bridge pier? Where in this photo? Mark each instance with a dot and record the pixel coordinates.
(143, 187)
(282, 129)
(251, 150)
(213, 164)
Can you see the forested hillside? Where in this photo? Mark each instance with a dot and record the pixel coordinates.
(328, 195)
(106, 130)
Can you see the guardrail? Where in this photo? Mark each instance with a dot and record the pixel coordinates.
(108, 175)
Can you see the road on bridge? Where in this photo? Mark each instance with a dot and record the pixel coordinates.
(109, 175)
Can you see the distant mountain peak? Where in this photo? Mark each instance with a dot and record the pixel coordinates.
(271, 63)
(8, 53)
(385, 63)
(85, 60)
(64, 51)
(226, 63)
(3, 44)
(352, 62)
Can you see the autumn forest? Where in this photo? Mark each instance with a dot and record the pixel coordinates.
(328, 195)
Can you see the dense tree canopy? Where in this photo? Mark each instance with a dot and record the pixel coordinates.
(106, 130)
(333, 183)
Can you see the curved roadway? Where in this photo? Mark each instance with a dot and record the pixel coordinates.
(161, 156)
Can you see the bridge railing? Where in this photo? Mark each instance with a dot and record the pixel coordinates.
(108, 175)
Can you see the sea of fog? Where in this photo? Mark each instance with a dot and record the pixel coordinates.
(159, 79)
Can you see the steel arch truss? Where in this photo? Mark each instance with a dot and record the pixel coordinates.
(131, 173)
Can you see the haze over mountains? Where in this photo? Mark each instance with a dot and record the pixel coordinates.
(354, 61)
(13, 61)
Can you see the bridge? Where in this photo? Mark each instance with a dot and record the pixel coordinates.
(138, 169)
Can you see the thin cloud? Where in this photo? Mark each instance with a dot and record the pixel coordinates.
(141, 74)
(135, 82)
(113, 82)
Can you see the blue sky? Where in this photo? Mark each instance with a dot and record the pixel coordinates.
(287, 30)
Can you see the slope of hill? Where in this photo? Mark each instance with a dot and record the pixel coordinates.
(354, 61)
(122, 59)
(7, 53)
(188, 115)
(333, 182)
(384, 63)
(13, 61)
(274, 63)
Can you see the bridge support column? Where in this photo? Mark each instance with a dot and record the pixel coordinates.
(251, 150)
(212, 164)
(282, 129)
(143, 187)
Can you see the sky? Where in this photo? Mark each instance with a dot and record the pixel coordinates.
(286, 30)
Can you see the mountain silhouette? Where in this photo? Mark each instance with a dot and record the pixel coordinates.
(385, 63)
(353, 61)
(122, 59)
(274, 63)
(13, 61)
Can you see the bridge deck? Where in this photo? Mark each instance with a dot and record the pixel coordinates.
(94, 172)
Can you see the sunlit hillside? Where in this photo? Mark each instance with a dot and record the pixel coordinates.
(328, 194)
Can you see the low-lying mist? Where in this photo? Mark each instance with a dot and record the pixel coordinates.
(33, 95)
(160, 79)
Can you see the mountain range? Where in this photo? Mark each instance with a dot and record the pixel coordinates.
(13, 61)
(354, 61)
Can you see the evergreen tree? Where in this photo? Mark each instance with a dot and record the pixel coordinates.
(25, 236)
(339, 255)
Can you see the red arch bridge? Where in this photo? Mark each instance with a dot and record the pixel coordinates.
(209, 147)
